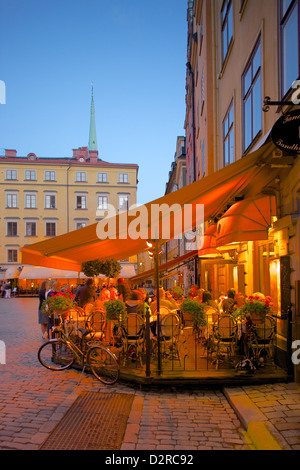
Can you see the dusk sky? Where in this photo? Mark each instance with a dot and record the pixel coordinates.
(134, 52)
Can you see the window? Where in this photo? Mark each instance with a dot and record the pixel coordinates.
(50, 201)
(30, 175)
(81, 202)
(102, 202)
(252, 108)
(80, 225)
(11, 200)
(30, 201)
(102, 178)
(123, 178)
(50, 229)
(123, 202)
(11, 175)
(227, 27)
(228, 136)
(12, 229)
(50, 175)
(81, 176)
(30, 229)
(12, 255)
(289, 43)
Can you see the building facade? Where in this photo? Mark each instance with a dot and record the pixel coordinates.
(239, 52)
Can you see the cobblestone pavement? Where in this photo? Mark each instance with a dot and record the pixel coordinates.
(280, 404)
(33, 400)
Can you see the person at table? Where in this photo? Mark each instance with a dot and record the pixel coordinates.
(134, 303)
(207, 300)
(163, 302)
(229, 303)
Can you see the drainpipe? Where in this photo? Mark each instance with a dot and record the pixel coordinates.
(68, 228)
(191, 73)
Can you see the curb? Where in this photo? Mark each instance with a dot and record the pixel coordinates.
(253, 420)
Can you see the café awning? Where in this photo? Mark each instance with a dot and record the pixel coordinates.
(246, 220)
(214, 191)
(165, 266)
(37, 272)
(209, 246)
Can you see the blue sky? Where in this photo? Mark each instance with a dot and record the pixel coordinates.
(134, 51)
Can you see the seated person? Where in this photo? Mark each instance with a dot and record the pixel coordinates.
(163, 302)
(229, 303)
(207, 300)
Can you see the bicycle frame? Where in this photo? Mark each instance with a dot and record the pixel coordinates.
(80, 353)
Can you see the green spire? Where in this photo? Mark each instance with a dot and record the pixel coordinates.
(93, 137)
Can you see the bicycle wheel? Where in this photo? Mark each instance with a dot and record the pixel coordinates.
(56, 355)
(103, 364)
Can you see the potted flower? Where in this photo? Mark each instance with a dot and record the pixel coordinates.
(116, 311)
(177, 293)
(257, 306)
(59, 303)
(196, 313)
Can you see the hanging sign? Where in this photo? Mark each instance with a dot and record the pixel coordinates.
(286, 132)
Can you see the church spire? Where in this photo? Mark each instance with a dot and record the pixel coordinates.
(93, 137)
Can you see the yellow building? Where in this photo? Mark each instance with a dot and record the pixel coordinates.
(239, 52)
(44, 197)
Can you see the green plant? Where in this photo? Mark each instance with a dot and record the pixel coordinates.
(116, 311)
(177, 292)
(109, 267)
(197, 312)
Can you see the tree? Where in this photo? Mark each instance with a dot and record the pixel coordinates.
(109, 267)
(92, 268)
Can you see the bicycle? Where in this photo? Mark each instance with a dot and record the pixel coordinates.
(60, 353)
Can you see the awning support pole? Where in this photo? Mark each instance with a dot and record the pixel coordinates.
(156, 266)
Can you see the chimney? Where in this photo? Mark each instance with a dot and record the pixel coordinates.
(10, 153)
(93, 156)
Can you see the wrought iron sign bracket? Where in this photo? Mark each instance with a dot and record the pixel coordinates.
(268, 103)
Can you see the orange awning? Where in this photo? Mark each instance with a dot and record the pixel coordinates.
(166, 266)
(209, 246)
(215, 191)
(246, 220)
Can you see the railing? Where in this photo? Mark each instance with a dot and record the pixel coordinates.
(181, 349)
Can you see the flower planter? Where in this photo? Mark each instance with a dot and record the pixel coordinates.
(256, 318)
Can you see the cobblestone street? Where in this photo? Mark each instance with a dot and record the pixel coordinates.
(33, 400)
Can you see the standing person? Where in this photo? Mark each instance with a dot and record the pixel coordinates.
(42, 317)
(53, 288)
(7, 290)
(86, 294)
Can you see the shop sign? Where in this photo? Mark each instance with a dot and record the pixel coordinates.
(286, 132)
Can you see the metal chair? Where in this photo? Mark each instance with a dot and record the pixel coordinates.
(224, 338)
(133, 337)
(169, 335)
(261, 339)
(96, 322)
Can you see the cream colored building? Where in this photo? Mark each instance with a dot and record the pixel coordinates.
(239, 52)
